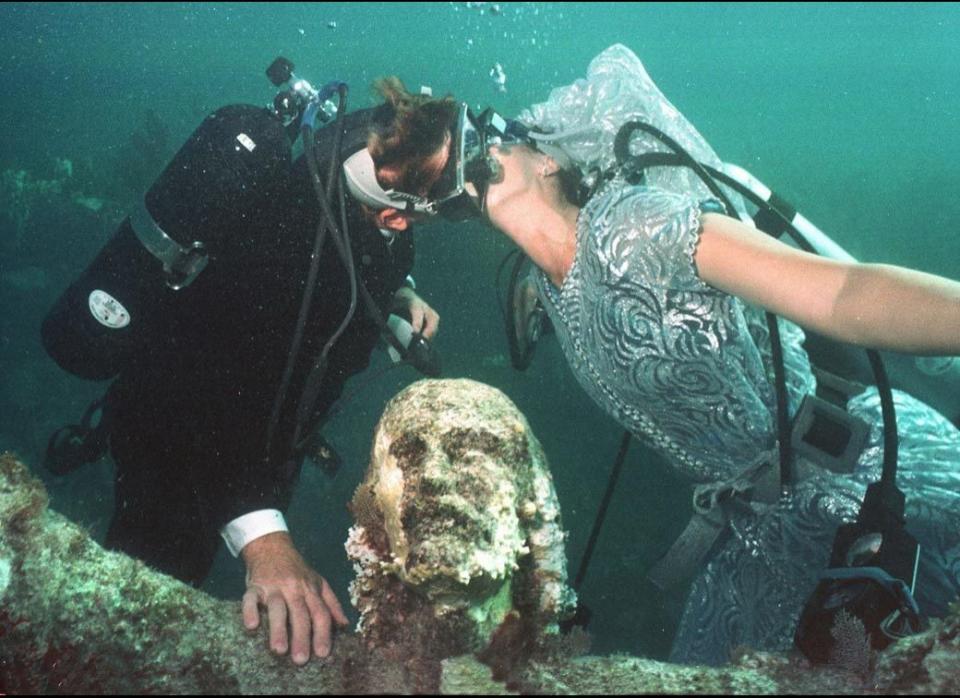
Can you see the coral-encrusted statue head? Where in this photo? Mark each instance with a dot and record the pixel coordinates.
(457, 523)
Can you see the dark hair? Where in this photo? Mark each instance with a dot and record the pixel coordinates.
(416, 131)
(569, 177)
(570, 181)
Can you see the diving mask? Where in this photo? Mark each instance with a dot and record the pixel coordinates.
(460, 191)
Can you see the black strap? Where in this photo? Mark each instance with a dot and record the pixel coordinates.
(520, 359)
(602, 513)
(775, 218)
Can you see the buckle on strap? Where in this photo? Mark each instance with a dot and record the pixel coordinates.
(713, 506)
(181, 265)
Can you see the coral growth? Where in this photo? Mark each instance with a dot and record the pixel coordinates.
(22, 193)
(19, 191)
(852, 649)
(77, 619)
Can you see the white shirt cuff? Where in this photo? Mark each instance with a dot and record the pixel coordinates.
(251, 526)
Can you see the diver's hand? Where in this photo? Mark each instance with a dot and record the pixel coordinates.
(294, 595)
(424, 319)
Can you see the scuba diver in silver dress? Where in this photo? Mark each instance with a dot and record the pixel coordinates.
(657, 293)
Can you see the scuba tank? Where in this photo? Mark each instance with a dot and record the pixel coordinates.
(208, 193)
(204, 203)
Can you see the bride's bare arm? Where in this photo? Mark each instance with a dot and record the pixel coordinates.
(874, 305)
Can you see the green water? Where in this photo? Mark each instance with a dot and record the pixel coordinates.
(851, 110)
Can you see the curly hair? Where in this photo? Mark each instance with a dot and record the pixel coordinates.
(417, 129)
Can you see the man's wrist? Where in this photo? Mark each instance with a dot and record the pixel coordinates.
(403, 298)
(269, 549)
(404, 293)
(243, 530)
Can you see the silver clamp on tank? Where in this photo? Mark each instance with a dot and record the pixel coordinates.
(819, 240)
(181, 264)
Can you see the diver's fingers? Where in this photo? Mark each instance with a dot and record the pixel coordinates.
(320, 616)
(277, 616)
(333, 604)
(417, 317)
(300, 625)
(432, 324)
(251, 611)
(428, 321)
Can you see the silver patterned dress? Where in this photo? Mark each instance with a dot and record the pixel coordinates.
(687, 369)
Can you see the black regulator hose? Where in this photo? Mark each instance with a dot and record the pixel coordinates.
(342, 242)
(520, 359)
(621, 149)
(622, 152)
(294, 353)
(306, 131)
(891, 439)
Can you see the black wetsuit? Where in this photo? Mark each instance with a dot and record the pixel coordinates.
(191, 414)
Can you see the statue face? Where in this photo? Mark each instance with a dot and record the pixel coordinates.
(450, 497)
(457, 520)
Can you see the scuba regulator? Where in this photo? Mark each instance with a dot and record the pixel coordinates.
(871, 577)
(293, 104)
(74, 445)
(872, 572)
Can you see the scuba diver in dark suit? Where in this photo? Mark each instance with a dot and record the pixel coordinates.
(232, 306)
